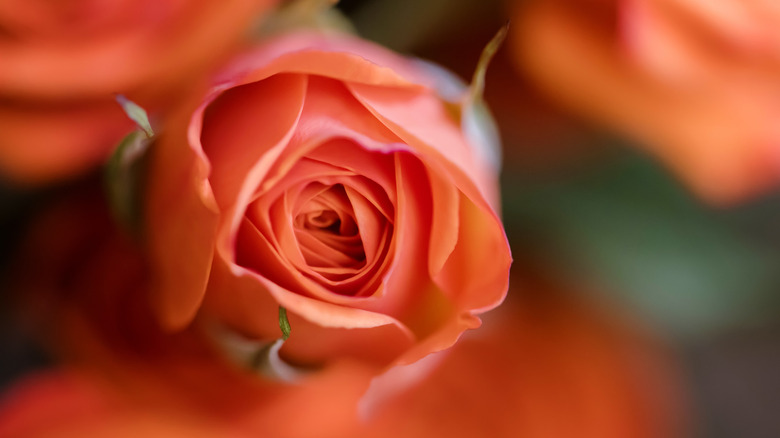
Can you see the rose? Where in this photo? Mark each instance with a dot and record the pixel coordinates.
(324, 174)
(63, 61)
(690, 41)
(692, 81)
(724, 54)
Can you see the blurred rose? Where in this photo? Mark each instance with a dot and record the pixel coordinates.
(552, 365)
(69, 405)
(63, 61)
(547, 365)
(693, 80)
(324, 174)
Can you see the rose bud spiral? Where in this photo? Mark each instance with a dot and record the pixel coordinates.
(327, 175)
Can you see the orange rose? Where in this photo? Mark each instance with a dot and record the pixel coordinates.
(693, 81)
(325, 174)
(63, 61)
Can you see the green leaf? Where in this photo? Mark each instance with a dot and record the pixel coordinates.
(136, 114)
(627, 228)
(284, 323)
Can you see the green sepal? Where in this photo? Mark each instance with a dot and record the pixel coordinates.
(124, 177)
(267, 360)
(125, 170)
(476, 120)
(136, 114)
(295, 15)
(284, 323)
(477, 88)
(259, 357)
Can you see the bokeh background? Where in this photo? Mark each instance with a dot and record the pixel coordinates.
(588, 206)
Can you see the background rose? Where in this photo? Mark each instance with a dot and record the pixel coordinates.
(63, 61)
(694, 81)
(560, 367)
(325, 175)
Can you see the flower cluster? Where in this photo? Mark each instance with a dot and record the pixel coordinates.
(249, 221)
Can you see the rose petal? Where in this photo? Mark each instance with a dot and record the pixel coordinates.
(256, 254)
(311, 343)
(377, 170)
(371, 223)
(181, 242)
(329, 112)
(409, 290)
(446, 222)
(243, 123)
(422, 122)
(333, 56)
(330, 315)
(282, 280)
(246, 308)
(479, 238)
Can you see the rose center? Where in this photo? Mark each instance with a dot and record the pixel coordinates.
(326, 220)
(327, 231)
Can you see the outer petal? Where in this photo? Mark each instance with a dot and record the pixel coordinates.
(379, 346)
(338, 57)
(182, 218)
(327, 314)
(255, 313)
(242, 125)
(476, 275)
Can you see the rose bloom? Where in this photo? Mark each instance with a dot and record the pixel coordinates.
(693, 81)
(325, 174)
(62, 62)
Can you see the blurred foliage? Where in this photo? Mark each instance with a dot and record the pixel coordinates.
(405, 25)
(628, 226)
(19, 352)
